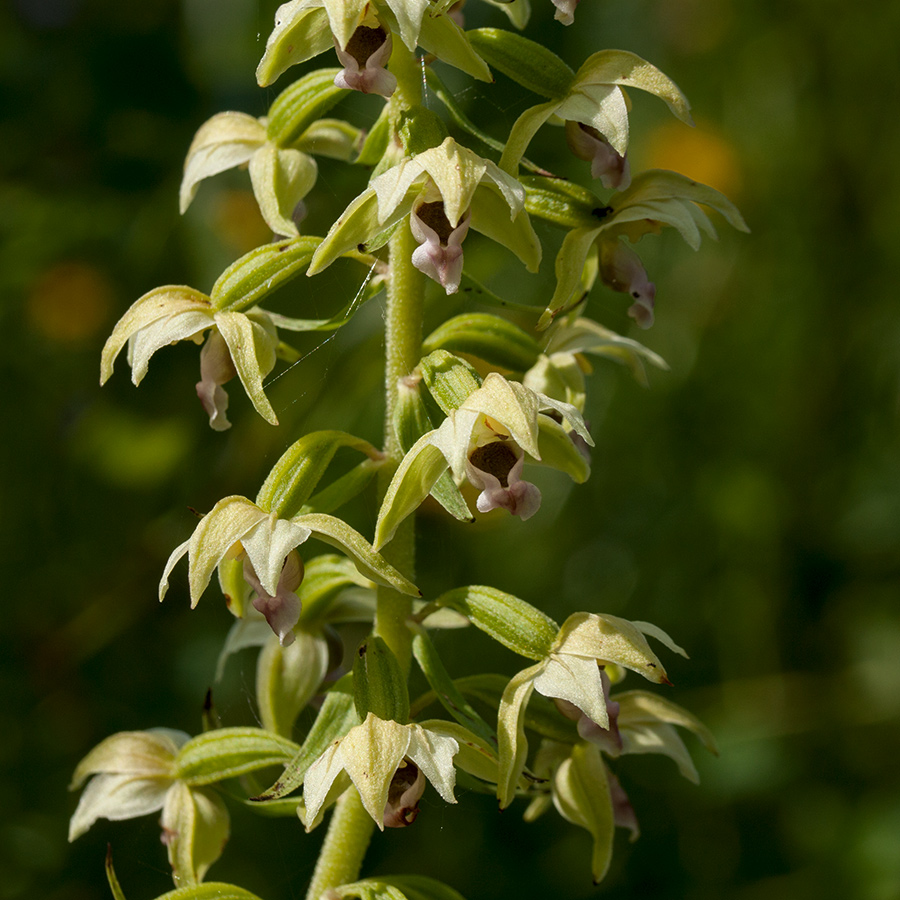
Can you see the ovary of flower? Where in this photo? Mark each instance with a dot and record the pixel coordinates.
(133, 774)
(445, 190)
(484, 440)
(241, 342)
(236, 527)
(571, 673)
(373, 754)
(281, 176)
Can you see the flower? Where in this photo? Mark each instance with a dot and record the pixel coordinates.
(610, 166)
(559, 371)
(306, 28)
(656, 198)
(485, 441)
(133, 773)
(571, 673)
(565, 11)
(595, 98)
(444, 190)
(281, 176)
(388, 763)
(238, 528)
(239, 343)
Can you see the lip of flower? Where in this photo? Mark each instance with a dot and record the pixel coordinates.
(474, 192)
(364, 58)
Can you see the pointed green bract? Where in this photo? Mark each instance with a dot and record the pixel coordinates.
(335, 718)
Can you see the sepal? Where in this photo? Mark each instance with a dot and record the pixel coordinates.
(559, 451)
(379, 686)
(581, 793)
(195, 826)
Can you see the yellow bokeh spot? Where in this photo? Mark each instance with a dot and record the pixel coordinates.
(700, 153)
(70, 302)
(239, 222)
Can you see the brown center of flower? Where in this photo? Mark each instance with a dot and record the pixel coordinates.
(364, 42)
(433, 215)
(404, 791)
(496, 458)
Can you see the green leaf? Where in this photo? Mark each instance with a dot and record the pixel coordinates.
(336, 717)
(517, 625)
(379, 686)
(488, 337)
(114, 886)
(229, 752)
(450, 697)
(295, 476)
(261, 271)
(449, 379)
(298, 106)
(524, 61)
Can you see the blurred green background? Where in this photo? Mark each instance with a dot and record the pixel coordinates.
(748, 502)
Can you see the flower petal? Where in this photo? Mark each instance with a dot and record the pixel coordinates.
(433, 754)
(117, 797)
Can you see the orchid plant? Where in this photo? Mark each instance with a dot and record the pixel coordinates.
(476, 402)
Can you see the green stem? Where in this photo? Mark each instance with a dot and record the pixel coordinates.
(350, 829)
(403, 349)
(341, 856)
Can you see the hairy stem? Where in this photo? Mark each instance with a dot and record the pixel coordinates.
(341, 856)
(403, 348)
